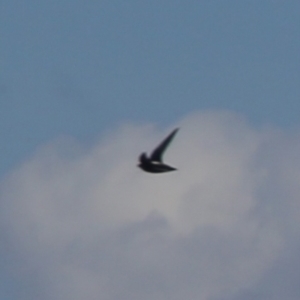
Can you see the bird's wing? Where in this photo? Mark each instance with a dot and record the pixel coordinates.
(158, 152)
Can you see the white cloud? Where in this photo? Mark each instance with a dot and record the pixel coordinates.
(87, 224)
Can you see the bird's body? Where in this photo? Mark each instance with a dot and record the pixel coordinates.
(154, 163)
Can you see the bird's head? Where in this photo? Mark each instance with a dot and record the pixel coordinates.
(142, 160)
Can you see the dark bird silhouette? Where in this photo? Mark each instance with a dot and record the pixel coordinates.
(154, 163)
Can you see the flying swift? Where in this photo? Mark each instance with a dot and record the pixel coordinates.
(154, 163)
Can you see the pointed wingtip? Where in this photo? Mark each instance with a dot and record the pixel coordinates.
(173, 133)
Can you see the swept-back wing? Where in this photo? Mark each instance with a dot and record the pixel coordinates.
(158, 152)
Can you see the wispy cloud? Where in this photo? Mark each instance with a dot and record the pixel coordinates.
(82, 223)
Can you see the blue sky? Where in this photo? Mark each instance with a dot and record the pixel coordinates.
(78, 68)
(85, 86)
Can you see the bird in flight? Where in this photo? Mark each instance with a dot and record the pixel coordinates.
(154, 163)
